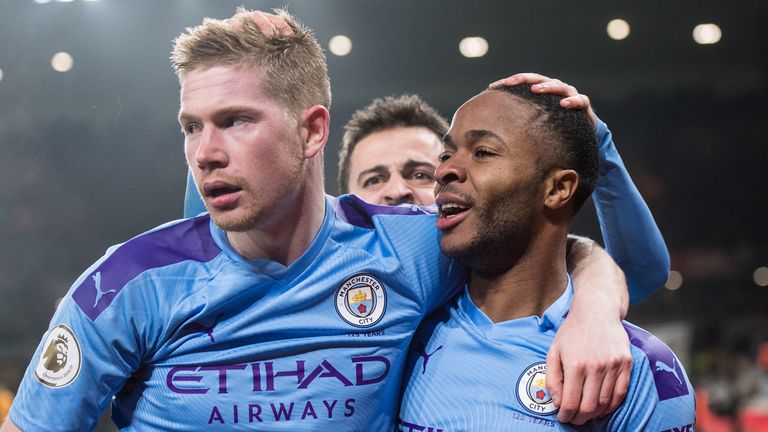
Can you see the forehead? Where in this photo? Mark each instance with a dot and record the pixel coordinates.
(495, 111)
(396, 146)
(216, 85)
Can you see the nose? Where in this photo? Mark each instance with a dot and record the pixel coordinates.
(210, 153)
(450, 170)
(397, 192)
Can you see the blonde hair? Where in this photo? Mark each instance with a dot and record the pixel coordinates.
(293, 67)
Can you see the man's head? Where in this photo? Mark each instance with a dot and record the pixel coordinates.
(254, 112)
(514, 164)
(389, 151)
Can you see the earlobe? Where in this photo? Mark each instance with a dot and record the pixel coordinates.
(561, 187)
(314, 130)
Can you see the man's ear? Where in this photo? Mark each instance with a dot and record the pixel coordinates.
(561, 188)
(315, 122)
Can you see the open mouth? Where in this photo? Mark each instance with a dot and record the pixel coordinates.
(215, 192)
(452, 210)
(220, 194)
(449, 210)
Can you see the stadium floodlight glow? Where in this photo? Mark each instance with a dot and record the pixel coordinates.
(42, 1)
(62, 62)
(675, 281)
(473, 47)
(618, 29)
(1, 74)
(64, 1)
(340, 45)
(707, 34)
(760, 276)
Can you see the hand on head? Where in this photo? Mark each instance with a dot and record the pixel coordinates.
(543, 84)
(269, 24)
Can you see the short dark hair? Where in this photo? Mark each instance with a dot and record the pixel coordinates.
(383, 114)
(568, 135)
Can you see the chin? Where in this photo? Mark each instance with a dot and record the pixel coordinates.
(234, 222)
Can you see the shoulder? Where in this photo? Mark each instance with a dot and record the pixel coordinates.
(660, 396)
(662, 366)
(168, 244)
(353, 210)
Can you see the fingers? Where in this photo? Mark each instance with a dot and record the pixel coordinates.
(607, 390)
(554, 376)
(264, 23)
(589, 406)
(283, 29)
(578, 101)
(570, 401)
(519, 78)
(556, 87)
(621, 388)
(269, 24)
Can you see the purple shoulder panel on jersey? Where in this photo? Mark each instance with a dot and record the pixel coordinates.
(667, 373)
(189, 240)
(360, 213)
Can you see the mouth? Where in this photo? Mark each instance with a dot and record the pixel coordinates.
(220, 194)
(451, 211)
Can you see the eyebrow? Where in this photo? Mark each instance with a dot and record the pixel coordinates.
(224, 112)
(378, 169)
(413, 165)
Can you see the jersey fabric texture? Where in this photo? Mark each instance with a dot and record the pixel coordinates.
(189, 336)
(466, 373)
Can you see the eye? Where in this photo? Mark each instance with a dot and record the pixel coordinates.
(422, 177)
(483, 153)
(235, 121)
(190, 128)
(372, 181)
(444, 156)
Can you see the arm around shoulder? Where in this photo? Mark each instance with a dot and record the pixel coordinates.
(629, 230)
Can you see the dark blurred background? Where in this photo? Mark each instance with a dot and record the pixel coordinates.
(92, 155)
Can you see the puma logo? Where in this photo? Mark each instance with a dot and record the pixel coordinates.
(661, 366)
(99, 292)
(425, 356)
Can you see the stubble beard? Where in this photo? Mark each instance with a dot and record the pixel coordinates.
(503, 235)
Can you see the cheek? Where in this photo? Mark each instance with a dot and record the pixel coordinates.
(425, 195)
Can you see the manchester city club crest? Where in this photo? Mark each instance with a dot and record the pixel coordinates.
(361, 300)
(532, 390)
(60, 359)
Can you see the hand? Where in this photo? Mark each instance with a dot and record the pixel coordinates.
(589, 364)
(542, 84)
(269, 24)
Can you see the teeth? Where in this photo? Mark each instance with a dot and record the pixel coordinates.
(451, 206)
(451, 209)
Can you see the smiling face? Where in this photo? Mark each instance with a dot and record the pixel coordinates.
(244, 150)
(395, 166)
(490, 189)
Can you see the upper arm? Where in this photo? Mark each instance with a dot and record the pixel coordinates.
(630, 233)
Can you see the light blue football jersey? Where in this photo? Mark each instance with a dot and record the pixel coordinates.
(466, 373)
(189, 336)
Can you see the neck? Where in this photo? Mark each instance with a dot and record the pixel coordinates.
(528, 287)
(291, 228)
